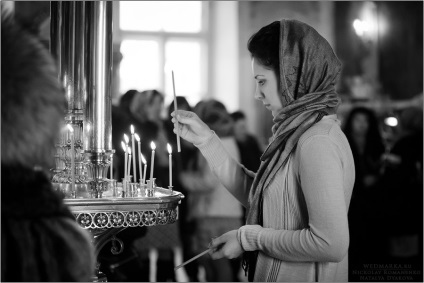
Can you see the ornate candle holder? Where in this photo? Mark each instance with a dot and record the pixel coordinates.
(150, 188)
(62, 178)
(97, 164)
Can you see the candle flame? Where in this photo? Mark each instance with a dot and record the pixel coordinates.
(168, 146)
(143, 159)
(70, 128)
(129, 150)
(152, 145)
(124, 147)
(132, 129)
(126, 138)
(137, 137)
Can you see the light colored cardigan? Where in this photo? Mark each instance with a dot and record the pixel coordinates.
(305, 234)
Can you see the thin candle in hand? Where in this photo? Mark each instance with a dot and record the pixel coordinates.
(175, 109)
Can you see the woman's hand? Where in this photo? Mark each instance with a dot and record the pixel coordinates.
(226, 246)
(191, 128)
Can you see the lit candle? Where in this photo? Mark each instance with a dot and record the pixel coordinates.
(71, 136)
(129, 164)
(139, 158)
(175, 109)
(170, 163)
(133, 150)
(145, 167)
(152, 164)
(124, 147)
(126, 164)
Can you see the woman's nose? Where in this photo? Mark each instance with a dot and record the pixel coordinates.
(258, 94)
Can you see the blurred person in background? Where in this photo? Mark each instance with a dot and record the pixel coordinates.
(362, 131)
(180, 164)
(248, 145)
(214, 210)
(40, 239)
(297, 202)
(402, 191)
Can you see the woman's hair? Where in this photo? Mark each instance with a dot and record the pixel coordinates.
(374, 143)
(238, 115)
(126, 99)
(151, 94)
(216, 116)
(265, 45)
(32, 99)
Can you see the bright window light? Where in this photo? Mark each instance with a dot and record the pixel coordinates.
(167, 16)
(184, 58)
(139, 67)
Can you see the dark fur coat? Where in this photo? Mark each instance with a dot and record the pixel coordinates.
(40, 240)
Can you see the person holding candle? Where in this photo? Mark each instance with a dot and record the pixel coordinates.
(297, 226)
(40, 238)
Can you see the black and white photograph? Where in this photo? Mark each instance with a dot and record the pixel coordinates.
(212, 141)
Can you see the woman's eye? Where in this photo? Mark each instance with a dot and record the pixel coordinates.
(261, 82)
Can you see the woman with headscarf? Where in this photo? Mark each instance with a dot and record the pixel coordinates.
(297, 202)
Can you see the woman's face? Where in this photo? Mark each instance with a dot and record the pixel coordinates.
(267, 89)
(360, 124)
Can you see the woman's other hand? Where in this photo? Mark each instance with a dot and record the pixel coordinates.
(191, 128)
(226, 246)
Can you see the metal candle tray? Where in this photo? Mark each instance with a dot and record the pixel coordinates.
(114, 212)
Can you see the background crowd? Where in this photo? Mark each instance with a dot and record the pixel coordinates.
(385, 211)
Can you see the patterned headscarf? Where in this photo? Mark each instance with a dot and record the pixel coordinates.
(309, 70)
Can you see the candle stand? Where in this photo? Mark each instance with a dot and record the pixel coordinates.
(104, 218)
(81, 43)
